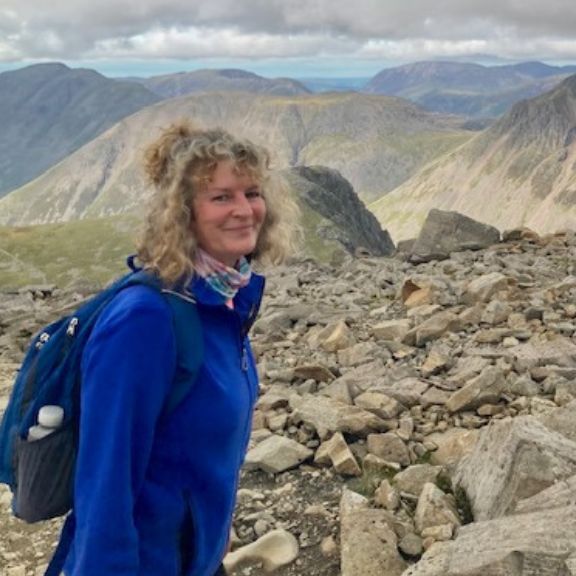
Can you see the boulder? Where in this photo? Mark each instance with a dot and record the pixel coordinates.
(535, 544)
(446, 232)
(513, 460)
(277, 454)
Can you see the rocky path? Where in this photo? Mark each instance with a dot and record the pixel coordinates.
(414, 419)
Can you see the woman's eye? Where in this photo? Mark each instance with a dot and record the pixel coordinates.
(253, 194)
(220, 198)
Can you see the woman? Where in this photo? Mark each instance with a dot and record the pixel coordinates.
(154, 496)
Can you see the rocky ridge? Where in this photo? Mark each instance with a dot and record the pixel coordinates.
(415, 419)
(345, 219)
(226, 80)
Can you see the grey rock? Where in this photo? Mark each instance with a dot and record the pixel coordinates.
(413, 478)
(559, 351)
(534, 544)
(445, 232)
(337, 452)
(381, 404)
(433, 328)
(277, 454)
(513, 460)
(368, 543)
(485, 388)
(482, 289)
(562, 420)
(327, 416)
(388, 447)
(435, 508)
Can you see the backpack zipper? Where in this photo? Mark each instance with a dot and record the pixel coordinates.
(71, 330)
(42, 339)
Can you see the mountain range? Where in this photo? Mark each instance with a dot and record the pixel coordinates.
(466, 88)
(519, 172)
(399, 157)
(376, 142)
(49, 110)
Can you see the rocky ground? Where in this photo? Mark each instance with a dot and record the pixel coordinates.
(416, 414)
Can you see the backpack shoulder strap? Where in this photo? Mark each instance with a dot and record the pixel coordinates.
(58, 559)
(189, 346)
(187, 333)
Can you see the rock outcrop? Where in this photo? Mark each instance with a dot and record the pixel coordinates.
(328, 194)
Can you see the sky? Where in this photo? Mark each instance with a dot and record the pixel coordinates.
(297, 38)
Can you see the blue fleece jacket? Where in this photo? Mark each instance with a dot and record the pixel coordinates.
(155, 493)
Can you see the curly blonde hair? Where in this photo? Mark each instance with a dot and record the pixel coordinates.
(181, 162)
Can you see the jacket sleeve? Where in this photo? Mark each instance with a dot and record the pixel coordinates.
(128, 367)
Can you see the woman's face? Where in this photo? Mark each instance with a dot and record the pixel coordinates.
(228, 214)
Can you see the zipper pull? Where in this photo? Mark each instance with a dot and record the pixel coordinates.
(42, 339)
(72, 326)
(244, 359)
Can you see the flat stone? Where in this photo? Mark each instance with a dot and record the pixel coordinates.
(486, 388)
(277, 454)
(327, 416)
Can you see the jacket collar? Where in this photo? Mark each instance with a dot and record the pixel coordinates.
(246, 302)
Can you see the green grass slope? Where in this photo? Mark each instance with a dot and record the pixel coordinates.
(82, 252)
(92, 252)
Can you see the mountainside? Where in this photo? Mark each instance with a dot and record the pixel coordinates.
(466, 88)
(49, 110)
(521, 171)
(226, 80)
(375, 142)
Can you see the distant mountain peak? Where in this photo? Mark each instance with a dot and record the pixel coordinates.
(237, 73)
(467, 88)
(543, 121)
(219, 80)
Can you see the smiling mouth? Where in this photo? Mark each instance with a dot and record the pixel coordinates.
(240, 229)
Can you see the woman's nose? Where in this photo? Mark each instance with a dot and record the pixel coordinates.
(242, 206)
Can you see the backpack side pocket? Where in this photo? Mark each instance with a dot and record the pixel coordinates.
(45, 475)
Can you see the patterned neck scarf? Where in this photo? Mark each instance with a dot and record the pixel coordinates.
(224, 279)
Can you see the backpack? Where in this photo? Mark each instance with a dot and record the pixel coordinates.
(40, 473)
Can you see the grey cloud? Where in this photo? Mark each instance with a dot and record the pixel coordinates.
(39, 28)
